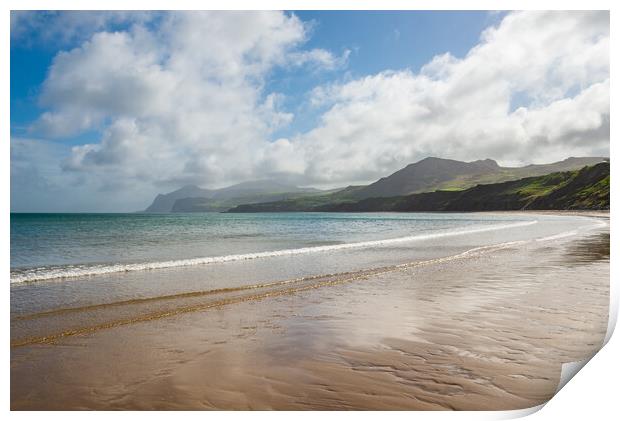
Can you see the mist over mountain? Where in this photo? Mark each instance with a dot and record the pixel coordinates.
(192, 198)
(427, 175)
(165, 202)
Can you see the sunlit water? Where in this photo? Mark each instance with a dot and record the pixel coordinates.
(77, 259)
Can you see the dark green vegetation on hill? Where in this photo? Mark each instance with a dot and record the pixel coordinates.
(432, 174)
(587, 188)
(427, 175)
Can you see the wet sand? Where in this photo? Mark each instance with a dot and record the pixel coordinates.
(487, 329)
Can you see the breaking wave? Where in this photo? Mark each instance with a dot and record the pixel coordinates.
(74, 271)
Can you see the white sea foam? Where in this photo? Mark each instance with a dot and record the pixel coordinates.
(50, 273)
(558, 236)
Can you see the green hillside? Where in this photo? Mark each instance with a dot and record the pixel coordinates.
(431, 174)
(586, 188)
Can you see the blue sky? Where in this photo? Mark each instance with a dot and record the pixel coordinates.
(378, 41)
(107, 109)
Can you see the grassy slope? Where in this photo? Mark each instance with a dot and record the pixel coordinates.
(434, 174)
(459, 183)
(511, 174)
(587, 188)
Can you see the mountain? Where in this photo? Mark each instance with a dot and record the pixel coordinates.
(427, 174)
(165, 202)
(195, 199)
(587, 188)
(432, 174)
(259, 187)
(205, 204)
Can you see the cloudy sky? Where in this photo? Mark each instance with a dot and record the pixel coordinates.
(108, 109)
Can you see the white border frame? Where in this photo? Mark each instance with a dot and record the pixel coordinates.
(591, 394)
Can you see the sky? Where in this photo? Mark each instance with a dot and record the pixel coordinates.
(110, 108)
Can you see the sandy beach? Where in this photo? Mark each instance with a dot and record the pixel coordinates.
(486, 329)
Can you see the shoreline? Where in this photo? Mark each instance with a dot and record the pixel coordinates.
(25, 276)
(79, 271)
(488, 331)
(156, 307)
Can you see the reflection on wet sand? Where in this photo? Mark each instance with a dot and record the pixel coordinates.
(488, 331)
(52, 325)
(590, 249)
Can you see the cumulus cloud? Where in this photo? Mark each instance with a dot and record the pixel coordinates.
(186, 97)
(462, 107)
(185, 100)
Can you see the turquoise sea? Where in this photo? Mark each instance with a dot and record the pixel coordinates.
(49, 246)
(76, 259)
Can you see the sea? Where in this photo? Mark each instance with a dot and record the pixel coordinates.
(84, 259)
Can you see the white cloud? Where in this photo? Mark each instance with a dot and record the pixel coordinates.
(185, 101)
(461, 108)
(321, 58)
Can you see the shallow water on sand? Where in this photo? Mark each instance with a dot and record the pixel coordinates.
(369, 241)
(52, 246)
